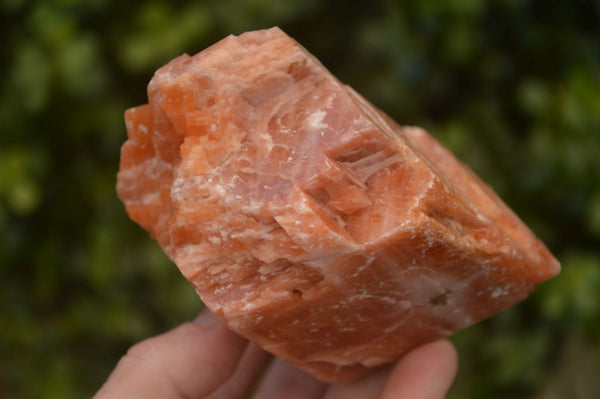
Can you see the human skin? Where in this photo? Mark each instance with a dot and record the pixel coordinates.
(204, 359)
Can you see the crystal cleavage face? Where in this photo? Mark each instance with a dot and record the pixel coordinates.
(309, 221)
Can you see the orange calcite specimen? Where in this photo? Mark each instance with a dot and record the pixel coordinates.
(308, 220)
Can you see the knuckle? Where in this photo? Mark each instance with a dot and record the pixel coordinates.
(140, 352)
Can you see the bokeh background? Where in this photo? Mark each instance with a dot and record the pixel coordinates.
(512, 87)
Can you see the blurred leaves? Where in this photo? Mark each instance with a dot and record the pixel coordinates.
(511, 87)
(30, 78)
(19, 168)
(161, 32)
(574, 298)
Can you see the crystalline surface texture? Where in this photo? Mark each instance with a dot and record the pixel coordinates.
(309, 221)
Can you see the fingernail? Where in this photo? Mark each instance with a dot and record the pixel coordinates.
(206, 319)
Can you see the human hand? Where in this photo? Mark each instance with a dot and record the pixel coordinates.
(203, 359)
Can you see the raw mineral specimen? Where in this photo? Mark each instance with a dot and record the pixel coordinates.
(308, 220)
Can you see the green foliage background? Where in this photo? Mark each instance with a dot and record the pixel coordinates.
(512, 87)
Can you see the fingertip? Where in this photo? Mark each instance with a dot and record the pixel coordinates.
(426, 372)
(447, 355)
(206, 319)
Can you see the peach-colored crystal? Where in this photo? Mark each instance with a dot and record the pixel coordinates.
(308, 220)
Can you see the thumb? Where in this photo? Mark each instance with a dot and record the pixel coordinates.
(191, 360)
